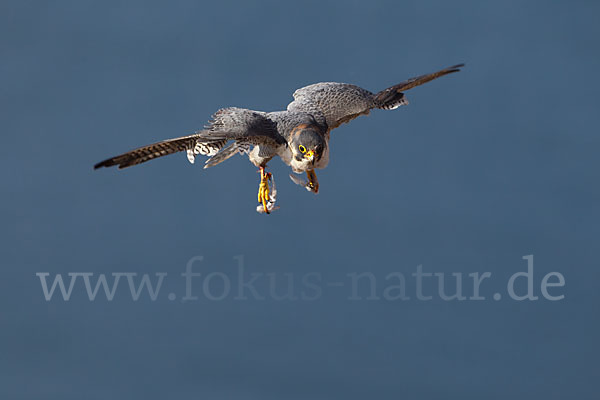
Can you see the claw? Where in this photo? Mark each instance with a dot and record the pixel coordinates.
(263, 190)
(312, 185)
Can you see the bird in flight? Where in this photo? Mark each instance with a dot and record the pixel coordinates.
(298, 135)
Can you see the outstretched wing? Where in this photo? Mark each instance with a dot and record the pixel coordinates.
(156, 150)
(243, 127)
(338, 103)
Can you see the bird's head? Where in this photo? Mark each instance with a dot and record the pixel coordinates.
(307, 145)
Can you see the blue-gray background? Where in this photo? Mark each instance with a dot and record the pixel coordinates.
(483, 167)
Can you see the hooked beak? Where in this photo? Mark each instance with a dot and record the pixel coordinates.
(310, 155)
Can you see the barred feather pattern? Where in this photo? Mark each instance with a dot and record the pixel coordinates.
(148, 152)
(236, 147)
(394, 103)
(204, 148)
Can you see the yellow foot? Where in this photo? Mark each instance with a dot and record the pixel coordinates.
(313, 183)
(263, 189)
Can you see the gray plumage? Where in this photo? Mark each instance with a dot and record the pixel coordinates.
(305, 125)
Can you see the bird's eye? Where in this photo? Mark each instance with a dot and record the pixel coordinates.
(302, 149)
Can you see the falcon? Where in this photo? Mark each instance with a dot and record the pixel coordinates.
(299, 135)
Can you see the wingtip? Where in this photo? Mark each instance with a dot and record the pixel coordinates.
(106, 163)
(456, 68)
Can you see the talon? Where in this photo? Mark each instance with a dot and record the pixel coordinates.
(313, 183)
(264, 203)
(263, 189)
